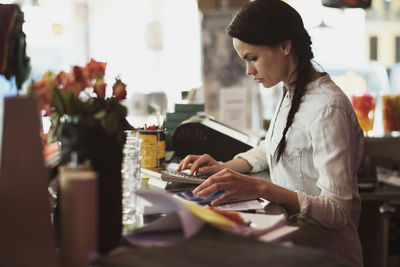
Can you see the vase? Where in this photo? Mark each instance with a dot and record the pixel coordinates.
(104, 151)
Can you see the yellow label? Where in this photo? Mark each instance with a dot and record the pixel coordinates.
(161, 149)
(149, 151)
(148, 139)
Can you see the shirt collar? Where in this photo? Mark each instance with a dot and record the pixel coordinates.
(317, 82)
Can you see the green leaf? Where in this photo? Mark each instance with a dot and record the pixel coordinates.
(54, 128)
(57, 101)
(72, 105)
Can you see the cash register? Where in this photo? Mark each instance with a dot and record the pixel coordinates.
(202, 134)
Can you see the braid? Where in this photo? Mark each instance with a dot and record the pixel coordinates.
(303, 73)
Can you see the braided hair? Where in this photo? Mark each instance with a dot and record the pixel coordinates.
(268, 23)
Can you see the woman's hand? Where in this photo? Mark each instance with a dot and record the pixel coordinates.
(202, 164)
(236, 185)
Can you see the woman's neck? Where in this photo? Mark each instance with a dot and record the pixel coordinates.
(313, 76)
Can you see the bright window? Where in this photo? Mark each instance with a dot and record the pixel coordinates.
(153, 45)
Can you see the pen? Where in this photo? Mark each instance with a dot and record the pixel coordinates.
(249, 211)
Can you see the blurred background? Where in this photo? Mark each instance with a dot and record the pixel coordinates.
(172, 53)
(169, 47)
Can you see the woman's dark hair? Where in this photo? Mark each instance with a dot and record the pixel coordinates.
(270, 22)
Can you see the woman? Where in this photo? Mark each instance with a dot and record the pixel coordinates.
(314, 145)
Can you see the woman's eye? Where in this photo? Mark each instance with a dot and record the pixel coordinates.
(252, 59)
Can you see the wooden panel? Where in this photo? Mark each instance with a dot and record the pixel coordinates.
(25, 228)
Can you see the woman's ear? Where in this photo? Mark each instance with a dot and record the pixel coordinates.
(286, 47)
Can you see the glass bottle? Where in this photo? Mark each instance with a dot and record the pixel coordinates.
(131, 177)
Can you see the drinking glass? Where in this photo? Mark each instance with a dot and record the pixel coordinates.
(391, 113)
(364, 106)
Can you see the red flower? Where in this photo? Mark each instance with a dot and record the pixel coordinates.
(62, 78)
(100, 88)
(119, 89)
(79, 76)
(74, 81)
(95, 69)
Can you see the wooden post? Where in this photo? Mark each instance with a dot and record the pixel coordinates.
(27, 237)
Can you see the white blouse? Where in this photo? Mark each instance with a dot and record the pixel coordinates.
(323, 152)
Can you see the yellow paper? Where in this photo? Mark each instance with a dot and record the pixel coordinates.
(209, 216)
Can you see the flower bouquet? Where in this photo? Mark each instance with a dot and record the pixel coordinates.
(80, 96)
(90, 126)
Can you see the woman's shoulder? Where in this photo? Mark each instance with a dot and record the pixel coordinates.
(324, 98)
(324, 91)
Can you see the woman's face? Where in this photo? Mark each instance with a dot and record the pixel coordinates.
(268, 65)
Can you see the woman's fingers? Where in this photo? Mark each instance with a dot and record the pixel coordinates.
(211, 189)
(224, 198)
(196, 162)
(186, 162)
(236, 186)
(219, 181)
(210, 169)
(202, 160)
(202, 186)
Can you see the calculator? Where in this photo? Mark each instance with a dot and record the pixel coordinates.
(181, 177)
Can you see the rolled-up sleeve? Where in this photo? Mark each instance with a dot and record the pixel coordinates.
(336, 149)
(256, 157)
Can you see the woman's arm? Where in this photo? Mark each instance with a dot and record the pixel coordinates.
(240, 186)
(238, 164)
(337, 150)
(286, 198)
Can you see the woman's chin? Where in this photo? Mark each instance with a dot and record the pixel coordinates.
(266, 84)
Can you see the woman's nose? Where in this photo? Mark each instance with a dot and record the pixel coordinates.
(250, 70)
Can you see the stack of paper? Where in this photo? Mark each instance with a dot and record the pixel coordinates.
(245, 205)
(182, 220)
